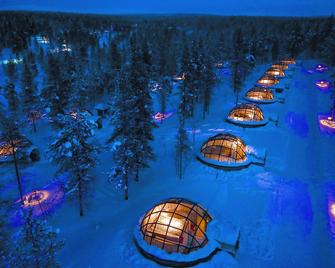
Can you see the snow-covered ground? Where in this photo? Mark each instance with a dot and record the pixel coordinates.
(281, 208)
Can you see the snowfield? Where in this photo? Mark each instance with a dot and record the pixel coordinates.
(281, 208)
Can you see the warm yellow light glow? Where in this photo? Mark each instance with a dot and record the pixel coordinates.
(35, 198)
(267, 81)
(275, 72)
(165, 218)
(332, 209)
(322, 84)
(328, 122)
(6, 149)
(280, 66)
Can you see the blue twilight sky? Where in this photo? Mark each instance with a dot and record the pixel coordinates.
(219, 7)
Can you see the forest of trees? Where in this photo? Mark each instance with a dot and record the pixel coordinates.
(118, 59)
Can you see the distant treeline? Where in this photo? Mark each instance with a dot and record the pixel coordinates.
(263, 37)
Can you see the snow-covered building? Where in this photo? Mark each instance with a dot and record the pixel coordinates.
(280, 66)
(278, 73)
(178, 232)
(288, 61)
(267, 81)
(102, 109)
(260, 95)
(227, 151)
(247, 114)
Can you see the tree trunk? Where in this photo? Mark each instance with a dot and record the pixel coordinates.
(80, 196)
(17, 171)
(126, 187)
(34, 126)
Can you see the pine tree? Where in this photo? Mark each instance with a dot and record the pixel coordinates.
(208, 82)
(35, 245)
(186, 89)
(4, 234)
(143, 124)
(182, 146)
(29, 100)
(10, 134)
(74, 153)
(124, 135)
(55, 91)
(12, 97)
(275, 50)
(237, 78)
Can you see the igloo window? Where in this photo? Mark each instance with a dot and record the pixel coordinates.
(259, 93)
(246, 112)
(176, 225)
(225, 148)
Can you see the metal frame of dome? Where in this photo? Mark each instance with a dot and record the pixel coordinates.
(267, 80)
(176, 225)
(260, 95)
(252, 113)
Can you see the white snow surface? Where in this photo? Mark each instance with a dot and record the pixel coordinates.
(281, 208)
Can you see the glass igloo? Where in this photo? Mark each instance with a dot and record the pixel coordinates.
(224, 148)
(267, 81)
(275, 72)
(247, 114)
(176, 225)
(280, 65)
(260, 95)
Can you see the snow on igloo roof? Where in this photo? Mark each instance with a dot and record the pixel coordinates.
(176, 225)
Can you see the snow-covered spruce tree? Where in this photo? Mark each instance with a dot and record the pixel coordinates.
(12, 97)
(34, 245)
(208, 82)
(123, 136)
(54, 93)
(296, 41)
(10, 134)
(143, 123)
(237, 77)
(4, 234)
(182, 145)
(74, 153)
(164, 90)
(186, 90)
(29, 98)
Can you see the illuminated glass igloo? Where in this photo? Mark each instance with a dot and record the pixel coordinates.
(288, 61)
(227, 151)
(280, 66)
(178, 232)
(267, 81)
(176, 225)
(260, 95)
(275, 72)
(247, 115)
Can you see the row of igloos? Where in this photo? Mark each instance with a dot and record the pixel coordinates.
(250, 114)
(178, 232)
